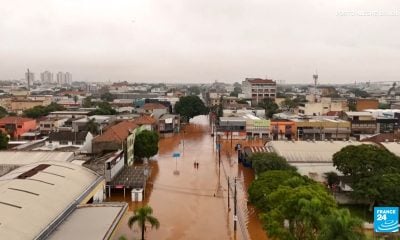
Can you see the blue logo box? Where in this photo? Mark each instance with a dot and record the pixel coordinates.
(386, 219)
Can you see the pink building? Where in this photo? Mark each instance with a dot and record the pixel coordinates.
(16, 126)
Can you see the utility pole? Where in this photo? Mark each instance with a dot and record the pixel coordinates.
(229, 206)
(235, 208)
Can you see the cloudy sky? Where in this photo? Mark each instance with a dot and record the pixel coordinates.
(202, 40)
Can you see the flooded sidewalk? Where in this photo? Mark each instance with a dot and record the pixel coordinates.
(193, 203)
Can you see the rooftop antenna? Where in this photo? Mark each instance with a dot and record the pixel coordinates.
(315, 77)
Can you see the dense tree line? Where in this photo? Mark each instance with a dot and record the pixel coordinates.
(374, 173)
(295, 207)
(40, 111)
(190, 106)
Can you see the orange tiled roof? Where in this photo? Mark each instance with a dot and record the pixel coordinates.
(144, 119)
(16, 120)
(119, 132)
(151, 106)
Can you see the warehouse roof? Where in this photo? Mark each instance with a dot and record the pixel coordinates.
(309, 151)
(27, 157)
(92, 221)
(35, 196)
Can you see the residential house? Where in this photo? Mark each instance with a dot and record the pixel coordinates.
(153, 108)
(102, 122)
(168, 124)
(146, 122)
(120, 136)
(81, 140)
(16, 126)
(47, 125)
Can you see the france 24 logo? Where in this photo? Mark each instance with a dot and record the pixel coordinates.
(386, 219)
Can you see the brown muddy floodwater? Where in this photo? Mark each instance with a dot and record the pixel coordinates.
(194, 204)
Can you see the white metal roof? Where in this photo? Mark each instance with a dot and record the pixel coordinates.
(29, 205)
(392, 147)
(304, 151)
(358, 114)
(27, 157)
(93, 221)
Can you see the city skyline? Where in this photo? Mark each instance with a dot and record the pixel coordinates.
(200, 42)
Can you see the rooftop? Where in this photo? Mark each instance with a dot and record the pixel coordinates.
(309, 151)
(358, 114)
(28, 157)
(117, 132)
(68, 136)
(259, 80)
(32, 197)
(152, 106)
(15, 120)
(144, 119)
(92, 221)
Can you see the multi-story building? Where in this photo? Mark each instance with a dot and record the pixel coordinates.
(48, 125)
(68, 78)
(60, 78)
(362, 123)
(46, 77)
(258, 89)
(322, 107)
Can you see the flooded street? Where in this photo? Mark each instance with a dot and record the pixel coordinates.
(194, 203)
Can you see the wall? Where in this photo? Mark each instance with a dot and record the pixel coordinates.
(130, 143)
(362, 104)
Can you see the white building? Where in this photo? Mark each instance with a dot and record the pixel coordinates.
(64, 78)
(81, 140)
(258, 89)
(46, 77)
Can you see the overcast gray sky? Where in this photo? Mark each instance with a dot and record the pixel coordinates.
(202, 40)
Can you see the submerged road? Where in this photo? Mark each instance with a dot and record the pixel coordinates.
(193, 204)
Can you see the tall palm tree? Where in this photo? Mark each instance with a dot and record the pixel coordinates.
(141, 216)
(341, 225)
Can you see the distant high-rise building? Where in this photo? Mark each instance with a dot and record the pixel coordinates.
(60, 78)
(258, 89)
(46, 77)
(64, 78)
(29, 77)
(68, 78)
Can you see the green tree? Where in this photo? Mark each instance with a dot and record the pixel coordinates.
(92, 126)
(270, 107)
(107, 96)
(104, 108)
(3, 141)
(262, 162)
(302, 207)
(40, 111)
(341, 225)
(194, 90)
(3, 112)
(332, 178)
(87, 102)
(142, 216)
(374, 172)
(289, 104)
(146, 144)
(268, 182)
(190, 106)
(365, 160)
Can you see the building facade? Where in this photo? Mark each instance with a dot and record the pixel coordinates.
(258, 89)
